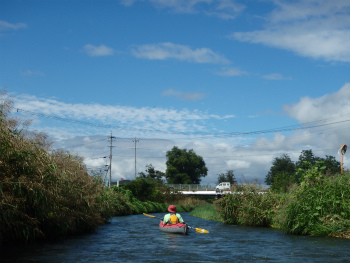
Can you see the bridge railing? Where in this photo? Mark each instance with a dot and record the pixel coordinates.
(192, 187)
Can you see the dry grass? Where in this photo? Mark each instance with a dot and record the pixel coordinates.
(43, 193)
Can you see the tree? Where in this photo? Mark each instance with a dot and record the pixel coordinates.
(284, 172)
(282, 181)
(333, 166)
(279, 165)
(145, 190)
(227, 177)
(184, 167)
(152, 174)
(308, 160)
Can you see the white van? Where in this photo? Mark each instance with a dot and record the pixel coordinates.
(223, 186)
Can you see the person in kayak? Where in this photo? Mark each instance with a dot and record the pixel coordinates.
(172, 217)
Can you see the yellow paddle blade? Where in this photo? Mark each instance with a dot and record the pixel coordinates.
(148, 215)
(201, 230)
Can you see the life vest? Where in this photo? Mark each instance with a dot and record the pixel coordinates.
(173, 219)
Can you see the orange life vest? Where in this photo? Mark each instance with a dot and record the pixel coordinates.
(174, 219)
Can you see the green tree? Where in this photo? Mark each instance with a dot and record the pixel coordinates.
(282, 181)
(144, 190)
(280, 164)
(284, 172)
(229, 176)
(308, 160)
(152, 174)
(333, 166)
(184, 167)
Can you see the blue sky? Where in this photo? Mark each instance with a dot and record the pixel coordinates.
(239, 82)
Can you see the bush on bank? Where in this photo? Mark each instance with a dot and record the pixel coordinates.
(248, 206)
(46, 194)
(319, 206)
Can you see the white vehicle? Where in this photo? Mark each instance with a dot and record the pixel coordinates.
(223, 186)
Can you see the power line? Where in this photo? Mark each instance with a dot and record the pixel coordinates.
(83, 144)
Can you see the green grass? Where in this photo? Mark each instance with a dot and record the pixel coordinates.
(319, 207)
(207, 211)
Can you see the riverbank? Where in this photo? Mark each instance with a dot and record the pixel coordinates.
(48, 194)
(318, 207)
(210, 212)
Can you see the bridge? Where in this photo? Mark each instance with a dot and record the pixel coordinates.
(197, 190)
(192, 187)
(203, 190)
(203, 193)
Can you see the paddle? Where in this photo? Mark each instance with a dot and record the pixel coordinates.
(198, 230)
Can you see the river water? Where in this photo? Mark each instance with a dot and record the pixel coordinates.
(136, 238)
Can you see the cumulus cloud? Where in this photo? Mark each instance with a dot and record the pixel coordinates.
(309, 28)
(4, 25)
(328, 106)
(98, 51)
(224, 9)
(163, 51)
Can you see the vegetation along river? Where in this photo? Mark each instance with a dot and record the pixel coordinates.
(136, 238)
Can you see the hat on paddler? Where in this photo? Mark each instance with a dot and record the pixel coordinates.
(172, 209)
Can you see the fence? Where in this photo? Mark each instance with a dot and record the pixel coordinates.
(192, 187)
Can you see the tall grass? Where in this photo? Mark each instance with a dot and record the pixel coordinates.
(320, 207)
(207, 211)
(248, 206)
(45, 194)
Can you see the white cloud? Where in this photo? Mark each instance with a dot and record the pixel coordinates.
(126, 118)
(309, 28)
(232, 72)
(328, 106)
(97, 51)
(275, 76)
(183, 95)
(237, 164)
(159, 129)
(8, 26)
(224, 9)
(163, 51)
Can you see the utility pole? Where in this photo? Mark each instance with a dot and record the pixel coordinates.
(135, 154)
(111, 138)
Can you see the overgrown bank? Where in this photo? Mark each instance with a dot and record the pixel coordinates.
(49, 194)
(319, 206)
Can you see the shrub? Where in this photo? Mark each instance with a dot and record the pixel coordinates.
(321, 206)
(145, 190)
(249, 206)
(45, 194)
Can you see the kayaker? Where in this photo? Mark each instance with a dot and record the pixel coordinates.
(172, 217)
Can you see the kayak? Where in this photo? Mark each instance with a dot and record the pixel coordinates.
(178, 228)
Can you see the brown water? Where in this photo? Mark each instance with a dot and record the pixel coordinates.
(136, 238)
